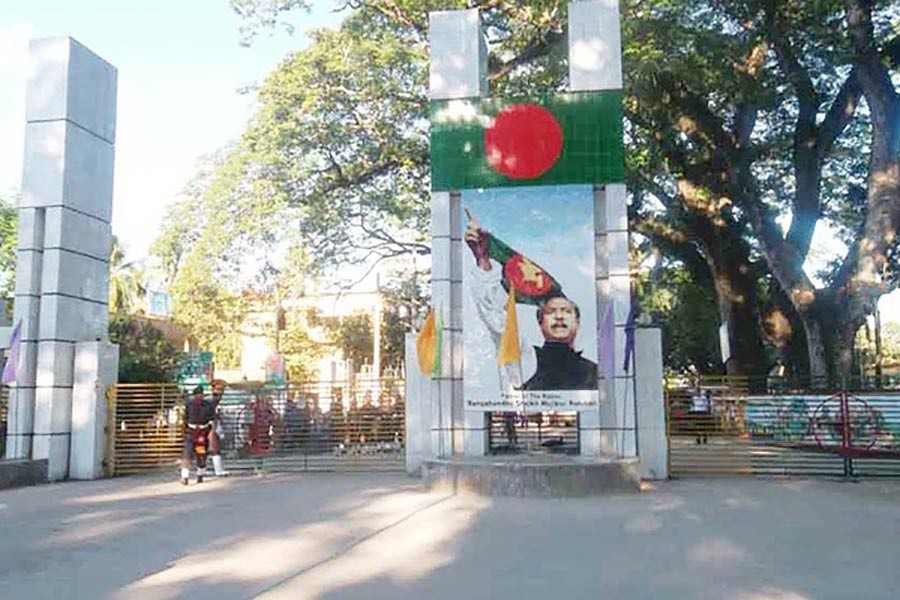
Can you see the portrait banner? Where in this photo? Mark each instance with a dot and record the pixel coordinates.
(529, 299)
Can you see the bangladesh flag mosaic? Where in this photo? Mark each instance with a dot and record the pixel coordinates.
(501, 142)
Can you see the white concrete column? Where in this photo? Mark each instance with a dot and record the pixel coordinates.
(617, 415)
(418, 411)
(595, 46)
(67, 186)
(651, 417)
(458, 69)
(595, 64)
(96, 369)
(26, 307)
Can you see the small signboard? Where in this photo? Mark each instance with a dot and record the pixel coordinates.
(197, 368)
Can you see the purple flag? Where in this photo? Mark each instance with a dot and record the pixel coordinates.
(608, 342)
(629, 341)
(12, 362)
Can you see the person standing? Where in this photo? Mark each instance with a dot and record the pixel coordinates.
(198, 418)
(218, 431)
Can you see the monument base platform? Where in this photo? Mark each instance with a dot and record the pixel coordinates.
(534, 476)
(18, 473)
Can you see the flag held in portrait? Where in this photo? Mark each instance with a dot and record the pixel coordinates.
(428, 344)
(510, 350)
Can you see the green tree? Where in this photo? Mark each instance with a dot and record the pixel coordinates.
(739, 114)
(9, 224)
(301, 349)
(687, 312)
(126, 282)
(352, 335)
(145, 355)
(201, 248)
(757, 119)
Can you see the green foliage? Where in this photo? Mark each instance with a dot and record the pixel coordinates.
(687, 312)
(890, 348)
(203, 247)
(257, 15)
(352, 335)
(301, 351)
(405, 302)
(211, 312)
(145, 355)
(9, 224)
(739, 114)
(126, 283)
(340, 136)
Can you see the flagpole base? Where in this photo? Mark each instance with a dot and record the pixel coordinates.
(534, 476)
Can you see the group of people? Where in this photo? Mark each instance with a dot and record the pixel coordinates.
(202, 433)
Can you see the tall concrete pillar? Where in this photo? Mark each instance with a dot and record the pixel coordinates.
(595, 64)
(64, 238)
(651, 417)
(458, 71)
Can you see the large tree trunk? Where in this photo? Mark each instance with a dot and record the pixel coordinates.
(816, 350)
(735, 279)
(738, 308)
(830, 327)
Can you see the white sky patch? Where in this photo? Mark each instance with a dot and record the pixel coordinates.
(178, 94)
(889, 305)
(15, 66)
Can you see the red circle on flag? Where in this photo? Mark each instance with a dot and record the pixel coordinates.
(523, 141)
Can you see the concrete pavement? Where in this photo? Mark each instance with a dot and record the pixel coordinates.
(333, 536)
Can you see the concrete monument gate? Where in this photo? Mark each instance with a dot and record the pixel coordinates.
(57, 404)
(499, 166)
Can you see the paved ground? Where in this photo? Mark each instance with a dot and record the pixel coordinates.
(379, 536)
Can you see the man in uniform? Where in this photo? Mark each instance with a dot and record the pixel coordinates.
(198, 414)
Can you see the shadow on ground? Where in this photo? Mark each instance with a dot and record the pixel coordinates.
(379, 536)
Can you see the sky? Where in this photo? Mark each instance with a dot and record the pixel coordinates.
(180, 68)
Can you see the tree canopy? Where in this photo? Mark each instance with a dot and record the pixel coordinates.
(749, 125)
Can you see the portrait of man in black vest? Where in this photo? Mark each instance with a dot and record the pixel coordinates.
(559, 365)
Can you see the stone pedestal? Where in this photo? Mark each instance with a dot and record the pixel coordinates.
(534, 476)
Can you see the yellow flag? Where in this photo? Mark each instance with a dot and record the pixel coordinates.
(510, 350)
(426, 345)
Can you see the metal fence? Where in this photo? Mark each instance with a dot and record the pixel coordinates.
(716, 427)
(354, 425)
(145, 422)
(552, 433)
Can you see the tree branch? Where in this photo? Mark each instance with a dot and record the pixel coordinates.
(839, 114)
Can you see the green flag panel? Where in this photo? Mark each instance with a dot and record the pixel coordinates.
(590, 124)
